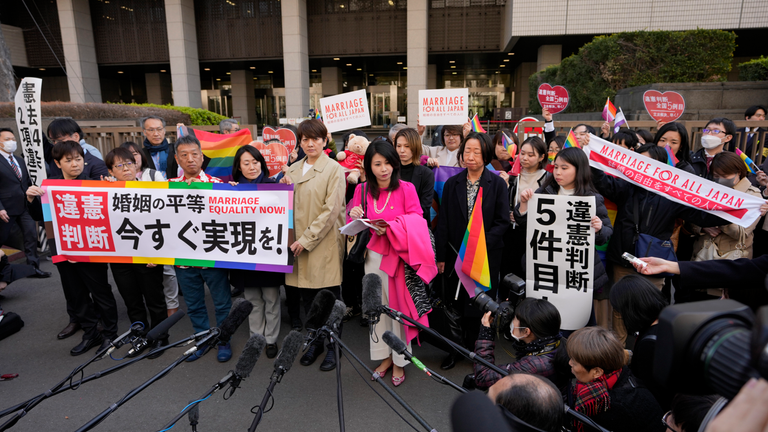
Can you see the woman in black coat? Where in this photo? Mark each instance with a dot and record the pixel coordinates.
(459, 197)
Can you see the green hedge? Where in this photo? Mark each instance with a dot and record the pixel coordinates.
(754, 70)
(611, 63)
(197, 116)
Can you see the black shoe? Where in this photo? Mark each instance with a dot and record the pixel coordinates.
(86, 345)
(449, 362)
(39, 274)
(329, 363)
(312, 354)
(106, 344)
(68, 331)
(155, 345)
(296, 324)
(272, 350)
(237, 291)
(364, 320)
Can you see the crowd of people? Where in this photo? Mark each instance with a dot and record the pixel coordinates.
(603, 371)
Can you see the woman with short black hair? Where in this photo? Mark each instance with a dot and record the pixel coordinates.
(675, 136)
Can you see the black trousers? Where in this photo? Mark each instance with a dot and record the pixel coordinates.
(352, 287)
(28, 230)
(142, 290)
(294, 297)
(81, 282)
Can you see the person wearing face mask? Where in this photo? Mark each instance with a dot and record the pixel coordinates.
(14, 209)
(536, 331)
(718, 133)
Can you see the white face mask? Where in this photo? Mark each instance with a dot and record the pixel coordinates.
(512, 332)
(710, 141)
(9, 146)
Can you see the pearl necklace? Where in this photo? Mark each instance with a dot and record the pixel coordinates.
(385, 204)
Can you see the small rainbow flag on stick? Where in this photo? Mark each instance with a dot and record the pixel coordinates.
(220, 149)
(671, 158)
(476, 126)
(571, 140)
(472, 262)
(509, 144)
(551, 156)
(747, 161)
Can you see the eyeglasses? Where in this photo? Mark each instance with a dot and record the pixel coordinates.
(713, 132)
(155, 130)
(666, 425)
(124, 165)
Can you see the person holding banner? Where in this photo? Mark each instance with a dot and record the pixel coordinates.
(408, 146)
(145, 166)
(459, 196)
(445, 155)
(261, 288)
(675, 136)
(318, 214)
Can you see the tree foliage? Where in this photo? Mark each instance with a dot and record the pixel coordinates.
(754, 70)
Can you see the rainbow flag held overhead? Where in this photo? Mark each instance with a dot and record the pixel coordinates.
(748, 162)
(220, 149)
(476, 126)
(509, 144)
(609, 111)
(671, 158)
(571, 140)
(472, 265)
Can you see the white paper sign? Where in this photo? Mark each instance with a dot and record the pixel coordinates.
(29, 122)
(345, 111)
(561, 254)
(443, 107)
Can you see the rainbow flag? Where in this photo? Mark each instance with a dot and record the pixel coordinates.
(609, 111)
(571, 140)
(220, 149)
(509, 144)
(476, 126)
(612, 210)
(671, 158)
(748, 162)
(472, 265)
(551, 156)
(317, 115)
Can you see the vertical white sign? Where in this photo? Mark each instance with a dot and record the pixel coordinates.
(561, 254)
(29, 122)
(345, 111)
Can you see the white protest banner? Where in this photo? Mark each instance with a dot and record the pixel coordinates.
(345, 111)
(443, 107)
(28, 120)
(561, 255)
(249, 226)
(674, 184)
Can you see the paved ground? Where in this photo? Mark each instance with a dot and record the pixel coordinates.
(304, 401)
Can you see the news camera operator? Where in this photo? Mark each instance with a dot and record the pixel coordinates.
(538, 345)
(528, 400)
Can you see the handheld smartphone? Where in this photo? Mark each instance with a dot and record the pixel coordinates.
(633, 259)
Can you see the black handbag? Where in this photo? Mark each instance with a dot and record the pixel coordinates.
(357, 251)
(10, 323)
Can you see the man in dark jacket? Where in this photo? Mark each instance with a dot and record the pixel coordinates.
(66, 129)
(753, 113)
(717, 135)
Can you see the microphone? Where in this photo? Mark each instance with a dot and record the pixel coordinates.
(337, 314)
(241, 308)
(291, 347)
(155, 333)
(121, 340)
(372, 297)
(318, 314)
(212, 334)
(399, 347)
(247, 360)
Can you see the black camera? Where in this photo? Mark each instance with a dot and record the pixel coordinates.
(713, 346)
(503, 312)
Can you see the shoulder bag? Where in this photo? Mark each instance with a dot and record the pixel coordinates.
(357, 246)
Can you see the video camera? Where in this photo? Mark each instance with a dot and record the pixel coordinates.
(503, 312)
(712, 346)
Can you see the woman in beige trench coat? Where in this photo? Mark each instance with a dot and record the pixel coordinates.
(318, 213)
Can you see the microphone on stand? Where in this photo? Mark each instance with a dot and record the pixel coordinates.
(399, 347)
(158, 330)
(318, 314)
(123, 338)
(241, 308)
(336, 315)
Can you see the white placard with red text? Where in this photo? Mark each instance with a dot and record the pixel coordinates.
(443, 107)
(345, 111)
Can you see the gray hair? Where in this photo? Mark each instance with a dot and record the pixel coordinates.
(143, 120)
(226, 125)
(395, 129)
(186, 139)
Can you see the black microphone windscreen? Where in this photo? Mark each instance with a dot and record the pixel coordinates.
(394, 342)
(371, 293)
(241, 308)
(162, 328)
(194, 415)
(320, 309)
(337, 314)
(291, 347)
(474, 412)
(250, 355)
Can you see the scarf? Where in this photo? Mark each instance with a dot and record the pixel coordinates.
(592, 398)
(152, 150)
(537, 347)
(242, 179)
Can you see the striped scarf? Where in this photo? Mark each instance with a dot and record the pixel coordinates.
(592, 398)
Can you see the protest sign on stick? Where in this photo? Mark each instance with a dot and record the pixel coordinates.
(666, 107)
(555, 99)
(29, 122)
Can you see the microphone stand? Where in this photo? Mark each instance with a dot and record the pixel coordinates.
(339, 394)
(104, 414)
(395, 396)
(216, 387)
(400, 318)
(277, 376)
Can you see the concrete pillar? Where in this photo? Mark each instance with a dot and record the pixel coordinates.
(79, 51)
(295, 57)
(158, 88)
(182, 50)
(332, 82)
(243, 97)
(418, 44)
(522, 73)
(549, 55)
(432, 77)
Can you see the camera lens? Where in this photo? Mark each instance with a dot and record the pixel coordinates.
(486, 303)
(722, 351)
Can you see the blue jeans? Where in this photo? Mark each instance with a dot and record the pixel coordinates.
(191, 283)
